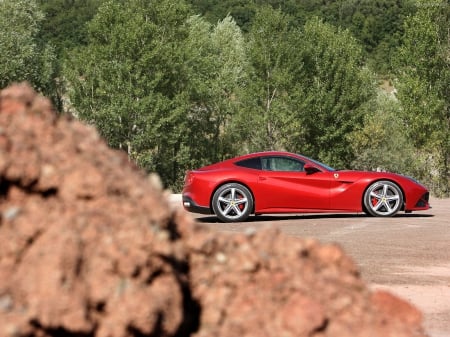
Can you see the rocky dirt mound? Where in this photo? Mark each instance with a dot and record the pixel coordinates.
(89, 246)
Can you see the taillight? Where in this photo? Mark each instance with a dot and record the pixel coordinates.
(188, 178)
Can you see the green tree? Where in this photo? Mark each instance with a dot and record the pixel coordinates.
(159, 83)
(217, 65)
(22, 56)
(65, 24)
(272, 53)
(376, 24)
(129, 80)
(423, 88)
(330, 93)
(381, 143)
(307, 87)
(242, 11)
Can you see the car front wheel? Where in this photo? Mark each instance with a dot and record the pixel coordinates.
(383, 198)
(232, 203)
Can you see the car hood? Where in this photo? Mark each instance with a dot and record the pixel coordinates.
(352, 176)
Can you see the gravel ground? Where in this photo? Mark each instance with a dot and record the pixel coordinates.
(408, 254)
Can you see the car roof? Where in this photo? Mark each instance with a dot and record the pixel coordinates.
(265, 153)
(232, 161)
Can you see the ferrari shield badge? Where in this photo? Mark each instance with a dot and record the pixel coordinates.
(336, 175)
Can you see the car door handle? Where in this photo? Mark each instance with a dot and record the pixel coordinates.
(262, 178)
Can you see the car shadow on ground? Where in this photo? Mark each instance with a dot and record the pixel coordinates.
(276, 217)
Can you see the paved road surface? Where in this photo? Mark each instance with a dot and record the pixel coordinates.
(408, 254)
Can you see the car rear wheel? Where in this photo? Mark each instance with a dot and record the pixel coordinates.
(232, 203)
(383, 198)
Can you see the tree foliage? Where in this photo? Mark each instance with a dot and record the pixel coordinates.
(328, 85)
(65, 22)
(271, 50)
(335, 85)
(242, 11)
(218, 61)
(22, 56)
(307, 86)
(376, 24)
(178, 90)
(380, 143)
(159, 83)
(424, 77)
(129, 79)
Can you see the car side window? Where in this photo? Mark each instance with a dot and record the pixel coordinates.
(253, 163)
(282, 164)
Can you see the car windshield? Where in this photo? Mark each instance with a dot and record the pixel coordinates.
(326, 167)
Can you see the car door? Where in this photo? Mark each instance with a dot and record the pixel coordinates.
(284, 184)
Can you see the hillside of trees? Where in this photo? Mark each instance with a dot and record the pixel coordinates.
(357, 84)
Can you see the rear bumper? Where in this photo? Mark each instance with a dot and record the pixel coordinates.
(191, 206)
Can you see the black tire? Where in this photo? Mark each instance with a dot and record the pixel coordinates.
(232, 203)
(383, 198)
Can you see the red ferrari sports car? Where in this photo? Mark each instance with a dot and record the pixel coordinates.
(282, 182)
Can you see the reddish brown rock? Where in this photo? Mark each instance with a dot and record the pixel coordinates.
(86, 241)
(89, 246)
(267, 284)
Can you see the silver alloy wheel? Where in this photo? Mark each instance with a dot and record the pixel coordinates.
(383, 198)
(232, 203)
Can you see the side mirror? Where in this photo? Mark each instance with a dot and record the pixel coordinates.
(309, 169)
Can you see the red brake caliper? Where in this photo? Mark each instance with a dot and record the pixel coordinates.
(241, 206)
(374, 200)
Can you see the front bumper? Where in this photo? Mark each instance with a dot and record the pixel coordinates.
(423, 202)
